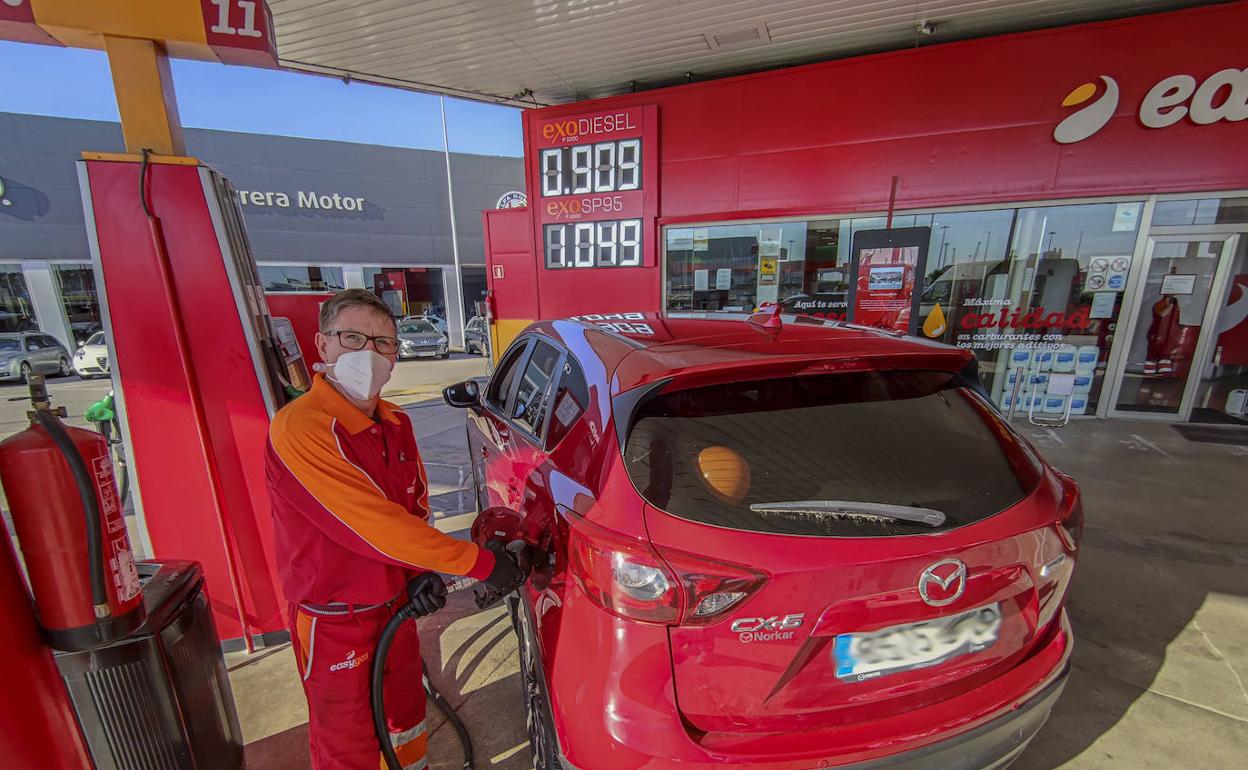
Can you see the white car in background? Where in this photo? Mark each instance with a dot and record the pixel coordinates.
(91, 360)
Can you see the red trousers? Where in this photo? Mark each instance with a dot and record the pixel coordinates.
(334, 653)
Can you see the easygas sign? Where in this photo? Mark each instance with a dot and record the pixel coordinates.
(1223, 96)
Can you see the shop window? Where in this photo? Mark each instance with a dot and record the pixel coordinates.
(310, 278)
(1222, 395)
(1206, 211)
(1056, 309)
(1031, 289)
(76, 284)
(16, 312)
(410, 291)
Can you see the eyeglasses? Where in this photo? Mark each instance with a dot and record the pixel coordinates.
(357, 341)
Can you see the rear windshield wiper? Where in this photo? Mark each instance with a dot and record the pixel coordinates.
(851, 509)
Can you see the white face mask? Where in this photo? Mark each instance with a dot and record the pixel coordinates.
(361, 373)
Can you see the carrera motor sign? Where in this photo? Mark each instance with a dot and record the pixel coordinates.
(592, 179)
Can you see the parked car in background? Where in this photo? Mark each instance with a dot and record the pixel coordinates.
(91, 360)
(24, 352)
(419, 338)
(432, 318)
(787, 546)
(474, 336)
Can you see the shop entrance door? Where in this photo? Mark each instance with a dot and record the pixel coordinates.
(1173, 324)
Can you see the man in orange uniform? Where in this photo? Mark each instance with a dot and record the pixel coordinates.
(350, 509)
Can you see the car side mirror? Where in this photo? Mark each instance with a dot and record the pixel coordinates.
(462, 395)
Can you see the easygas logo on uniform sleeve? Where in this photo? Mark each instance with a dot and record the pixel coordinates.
(1221, 96)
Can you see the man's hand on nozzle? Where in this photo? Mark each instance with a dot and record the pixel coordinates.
(426, 593)
(506, 575)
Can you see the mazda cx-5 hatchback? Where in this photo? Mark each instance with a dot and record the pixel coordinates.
(772, 544)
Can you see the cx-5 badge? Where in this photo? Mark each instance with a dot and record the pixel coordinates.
(771, 629)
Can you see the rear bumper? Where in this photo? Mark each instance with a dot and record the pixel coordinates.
(992, 746)
(984, 729)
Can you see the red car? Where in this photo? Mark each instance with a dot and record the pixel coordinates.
(773, 544)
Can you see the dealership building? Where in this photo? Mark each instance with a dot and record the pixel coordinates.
(321, 216)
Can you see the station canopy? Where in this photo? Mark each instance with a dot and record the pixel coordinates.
(538, 52)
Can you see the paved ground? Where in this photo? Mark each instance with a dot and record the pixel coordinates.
(1160, 605)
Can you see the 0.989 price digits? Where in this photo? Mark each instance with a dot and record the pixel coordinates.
(592, 168)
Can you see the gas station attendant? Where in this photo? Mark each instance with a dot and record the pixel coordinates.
(350, 509)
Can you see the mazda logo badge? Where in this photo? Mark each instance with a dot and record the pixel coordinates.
(943, 583)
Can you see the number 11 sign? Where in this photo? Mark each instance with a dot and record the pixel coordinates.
(240, 31)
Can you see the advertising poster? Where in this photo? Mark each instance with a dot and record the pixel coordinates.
(1176, 283)
(1126, 217)
(767, 270)
(887, 267)
(1103, 304)
(769, 242)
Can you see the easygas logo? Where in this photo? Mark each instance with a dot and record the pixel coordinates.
(4, 201)
(351, 662)
(1221, 96)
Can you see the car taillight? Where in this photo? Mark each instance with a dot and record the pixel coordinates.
(630, 578)
(1070, 513)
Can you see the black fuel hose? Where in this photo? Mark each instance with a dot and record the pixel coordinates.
(465, 740)
(377, 695)
(90, 507)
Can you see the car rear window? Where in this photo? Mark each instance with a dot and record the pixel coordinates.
(913, 439)
(417, 327)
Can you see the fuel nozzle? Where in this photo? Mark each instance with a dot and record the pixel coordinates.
(527, 557)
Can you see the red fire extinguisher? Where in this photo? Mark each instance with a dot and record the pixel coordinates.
(72, 532)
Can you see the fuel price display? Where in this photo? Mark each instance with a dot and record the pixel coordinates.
(599, 168)
(593, 244)
(594, 210)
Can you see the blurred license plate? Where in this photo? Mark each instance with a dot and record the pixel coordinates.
(915, 645)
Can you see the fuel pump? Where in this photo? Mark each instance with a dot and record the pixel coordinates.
(68, 518)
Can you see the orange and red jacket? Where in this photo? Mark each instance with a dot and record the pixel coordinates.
(351, 503)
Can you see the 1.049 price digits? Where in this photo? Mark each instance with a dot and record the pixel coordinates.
(593, 244)
(586, 168)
